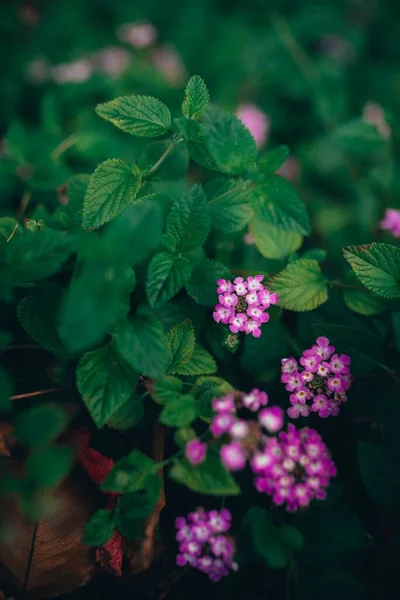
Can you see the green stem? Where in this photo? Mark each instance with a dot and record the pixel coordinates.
(65, 145)
(165, 155)
(348, 286)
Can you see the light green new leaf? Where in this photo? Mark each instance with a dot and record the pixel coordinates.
(99, 528)
(278, 202)
(112, 188)
(209, 478)
(363, 302)
(200, 363)
(273, 242)
(188, 221)
(142, 343)
(181, 344)
(202, 286)
(143, 116)
(196, 98)
(228, 201)
(181, 411)
(166, 389)
(167, 274)
(104, 382)
(130, 474)
(301, 286)
(377, 266)
(228, 141)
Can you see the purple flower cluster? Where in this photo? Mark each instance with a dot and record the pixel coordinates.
(243, 304)
(203, 543)
(319, 383)
(293, 468)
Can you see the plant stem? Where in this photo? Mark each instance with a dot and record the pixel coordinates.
(32, 394)
(349, 286)
(165, 154)
(65, 145)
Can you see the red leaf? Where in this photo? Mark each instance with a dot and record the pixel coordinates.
(110, 554)
(97, 465)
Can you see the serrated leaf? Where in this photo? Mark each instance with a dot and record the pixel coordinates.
(99, 528)
(130, 474)
(196, 98)
(301, 286)
(188, 221)
(228, 141)
(200, 363)
(199, 153)
(228, 200)
(273, 159)
(273, 242)
(50, 465)
(40, 425)
(127, 415)
(166, 389)
(181, 411)
(278, 202)
(167, 274)
(202, 286)
(142, 343)
(104, 382)
(112, 188)
(181, 343)
(38, 313)
(209, 478)
(377, 266)
(143, 116)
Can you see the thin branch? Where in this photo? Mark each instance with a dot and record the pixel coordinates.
(65, 145)
(37, 393)
(165, 155)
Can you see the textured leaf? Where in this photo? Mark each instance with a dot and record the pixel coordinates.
(143, 116)
(112, 188)
(377, 266)
(130, 474)
(272, 160)
(300, 286)
(188, 221)
(181, 344)
(278, 202)
(128, 415)
(39, 425)
(167, 274)
(166, 389)
(229, 143)
(196, 98)
(200, 363)
(99, 528)
(363, 302)
(200, 154)
(50, 465)
(38, 314)
(205, 390)
(142, 343)
(228, 201)
(180, 411)
(209, 478)
(202, 286)
(104, 382)
(273, 242)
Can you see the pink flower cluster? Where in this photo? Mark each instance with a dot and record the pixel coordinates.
(391, 222)
(294, 468)
(203, 543)
(322, 380)
(243, 304)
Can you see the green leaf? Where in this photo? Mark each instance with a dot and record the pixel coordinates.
(228, 141)
(166, 389)
(181, 344)
(167, 274)
(199, 153)
(377, 266)
(201, 363)
(196, 98)
(350, 339)
(40, 425)
(136, 506)
(128, 415)
(142, 343)
(7, 226)
(292, 537)
(130, 474)
(205, 390)
(363, 302)
(301, 286)
(143, 116)
(272, 160)
(112, 188)
(209, 478)
(99, 528)
(265, 538)
(317, 254)
(188, 221)
(38, 313)
(379, 475)
(202, 286)
(278, 202)
(104, 382)
(6, 390)
(50, 465)
(358, 137)
(273, 242)
(228, 201)
(180, 411)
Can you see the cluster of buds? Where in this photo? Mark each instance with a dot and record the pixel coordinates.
(319, 383)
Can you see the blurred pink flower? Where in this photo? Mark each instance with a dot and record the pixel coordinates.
(248, 238)
(167, 60)
(112, 60)
(38, 70)
(256, 121)
(336, 47)
(391, 222)
(290, 169)
(138, 35)
(28, 15)
(375, 115)
(77, 71)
